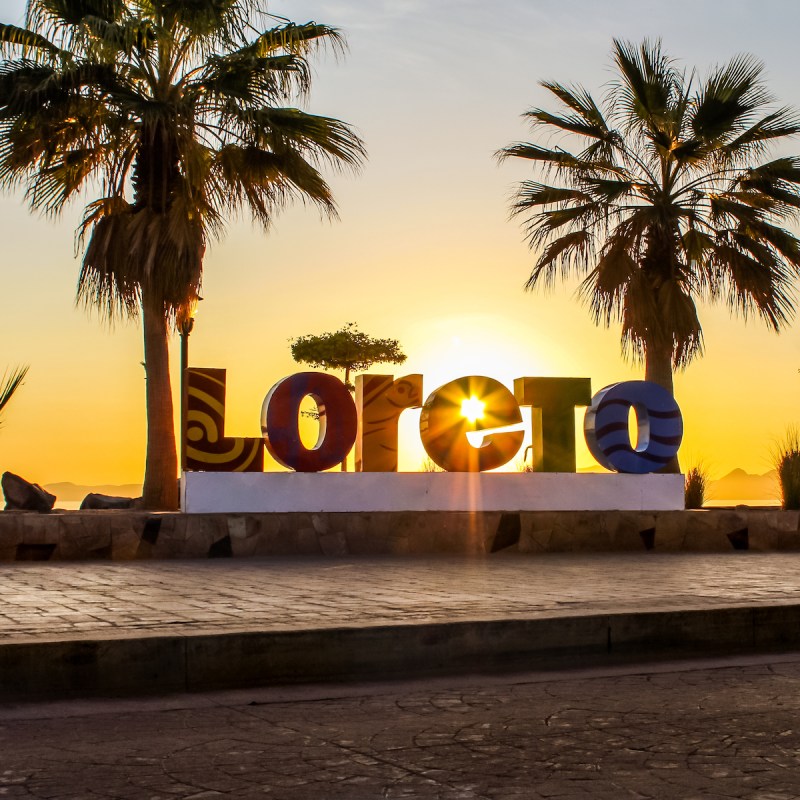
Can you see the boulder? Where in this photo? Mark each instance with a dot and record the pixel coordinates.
(24, 496)
(107, 501)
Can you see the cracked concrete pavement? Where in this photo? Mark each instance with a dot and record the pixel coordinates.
(723, 729)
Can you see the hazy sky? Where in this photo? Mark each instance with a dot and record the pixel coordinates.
(423, 251)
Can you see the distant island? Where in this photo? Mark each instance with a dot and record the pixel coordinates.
(74, 492)
(739, 486)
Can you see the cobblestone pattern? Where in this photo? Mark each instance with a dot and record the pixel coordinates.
(124, 535)
(57, 600)
(709, 733)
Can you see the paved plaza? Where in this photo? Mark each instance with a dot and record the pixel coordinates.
(676, 731)
(693, 729)
(56, 600)
(158, 627)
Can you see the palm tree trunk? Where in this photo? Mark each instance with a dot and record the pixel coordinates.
(658, 369)
(160, 490)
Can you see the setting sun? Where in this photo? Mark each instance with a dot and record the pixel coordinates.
(472, 408)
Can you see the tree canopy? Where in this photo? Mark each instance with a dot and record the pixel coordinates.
(185, 106)
(663, 195)
(347, 349)
(180, 115)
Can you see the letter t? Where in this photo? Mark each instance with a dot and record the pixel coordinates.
(555, 400)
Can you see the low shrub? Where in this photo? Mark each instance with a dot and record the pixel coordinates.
(695, 487)
(787, 464)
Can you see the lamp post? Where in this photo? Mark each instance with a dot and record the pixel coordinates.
(185, 325)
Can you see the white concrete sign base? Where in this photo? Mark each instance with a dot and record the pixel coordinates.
(272, 492)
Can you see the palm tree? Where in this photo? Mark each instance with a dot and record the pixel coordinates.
(179, 113)
(665, 200)
(9, 384)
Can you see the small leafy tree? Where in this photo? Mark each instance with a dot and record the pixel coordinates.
(348, 349)
(10, 384)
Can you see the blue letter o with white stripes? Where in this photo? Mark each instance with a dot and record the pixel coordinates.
(660, 427)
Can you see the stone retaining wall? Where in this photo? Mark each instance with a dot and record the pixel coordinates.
(124, 535)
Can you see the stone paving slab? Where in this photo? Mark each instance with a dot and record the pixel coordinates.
(176, 625)
(56, 600)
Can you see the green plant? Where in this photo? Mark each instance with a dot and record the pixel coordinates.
(695, 486)
(180, 114)
(429, 465)
(348, 349)
(660, 197)
(787, 464)
(10, 383)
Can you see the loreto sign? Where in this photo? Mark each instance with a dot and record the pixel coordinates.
(468, 425)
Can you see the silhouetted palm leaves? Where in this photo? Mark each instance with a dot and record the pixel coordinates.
(665, 198)
(180, 113)
(9, 384)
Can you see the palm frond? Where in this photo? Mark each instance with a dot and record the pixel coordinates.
(10, 383)
(649, 83)
(532, 194)
(13, 37)
(580, 101)
(263, 182)
(293, 38)
(778, 180)
(128, 36)
(124, 254)
(559, 257)
(605, 287)
(569, 124)
(728, 99)
(778, 125)
(751, 287)
(259, 79)
(280, 130)
(607, 190)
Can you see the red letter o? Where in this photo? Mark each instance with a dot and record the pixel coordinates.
(338, 421)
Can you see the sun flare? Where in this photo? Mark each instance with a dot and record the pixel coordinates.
(472, 408)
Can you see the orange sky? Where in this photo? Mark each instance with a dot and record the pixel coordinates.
(423, 252)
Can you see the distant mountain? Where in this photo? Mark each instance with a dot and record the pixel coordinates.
(739, 486)
(736, 487)
(74, 491)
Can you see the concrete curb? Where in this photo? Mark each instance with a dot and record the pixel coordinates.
(152, 665)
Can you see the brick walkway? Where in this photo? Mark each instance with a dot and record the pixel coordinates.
(66, 600)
